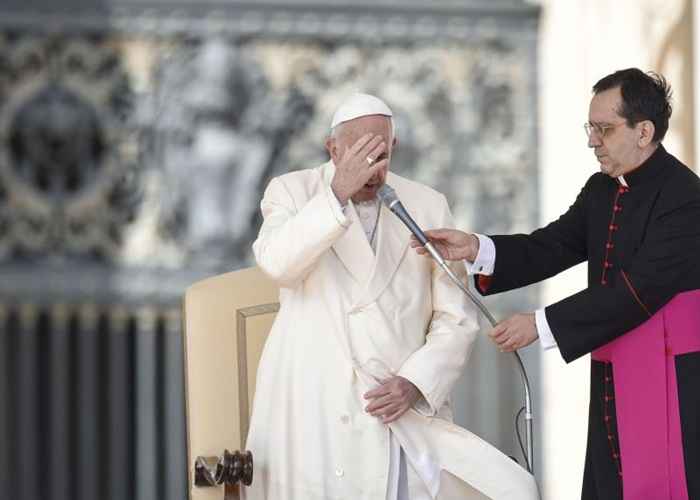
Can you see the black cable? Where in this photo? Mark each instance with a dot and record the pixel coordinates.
(520, 439)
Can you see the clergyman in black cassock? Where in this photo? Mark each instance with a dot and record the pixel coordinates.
(637, 224)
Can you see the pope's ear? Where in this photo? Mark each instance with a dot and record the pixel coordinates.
(332, 148)
(394, 142)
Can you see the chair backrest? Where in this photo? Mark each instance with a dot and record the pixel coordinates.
(226, 322)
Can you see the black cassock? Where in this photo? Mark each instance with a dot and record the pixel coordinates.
(642, 244)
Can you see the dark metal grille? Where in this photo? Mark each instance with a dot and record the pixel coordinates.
(93, 403)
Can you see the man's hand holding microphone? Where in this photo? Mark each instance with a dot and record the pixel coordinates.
(519, 330)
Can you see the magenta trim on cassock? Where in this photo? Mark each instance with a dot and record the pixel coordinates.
(646, 398)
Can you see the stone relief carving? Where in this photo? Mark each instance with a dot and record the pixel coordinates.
(464, 124)
(172, 175)
(219, 133)
(68, 164)
(149, 146)
(227, 116)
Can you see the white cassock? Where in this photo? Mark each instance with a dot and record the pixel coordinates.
(350, 318)
(397, 489)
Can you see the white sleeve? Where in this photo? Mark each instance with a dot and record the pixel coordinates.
(337, 209)
(435, 367)
(292, 239)
(486, 258)
(547, 340)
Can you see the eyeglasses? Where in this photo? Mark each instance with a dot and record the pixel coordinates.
(599, 129)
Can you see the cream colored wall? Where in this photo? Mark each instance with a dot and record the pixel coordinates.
(582, 41)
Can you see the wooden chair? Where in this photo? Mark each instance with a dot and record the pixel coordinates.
(226, 322)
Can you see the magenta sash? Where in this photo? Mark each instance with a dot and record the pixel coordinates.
(646, 398)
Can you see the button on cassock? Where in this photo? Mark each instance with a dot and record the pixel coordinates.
(356, 309)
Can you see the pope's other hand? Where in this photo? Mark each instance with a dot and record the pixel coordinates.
(392, 399)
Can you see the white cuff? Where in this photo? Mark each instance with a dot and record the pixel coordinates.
(547, 340)
(423, 407)
(336, 208)
(486, 258)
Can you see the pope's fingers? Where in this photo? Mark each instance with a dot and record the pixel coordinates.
(387, 396)
(371, 170)
(377, 166)
(389, 408)
(379, 401)
(357, 157)
(365, 150)
(378, 406)
(360, 143)
(381, 390)
(376, 152)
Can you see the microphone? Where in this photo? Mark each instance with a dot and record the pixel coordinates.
(387, 195)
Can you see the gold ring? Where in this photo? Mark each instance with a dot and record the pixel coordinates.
(370, 161)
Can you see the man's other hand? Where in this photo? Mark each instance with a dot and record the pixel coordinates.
(514, 333)
(392, 399)
(451, 243)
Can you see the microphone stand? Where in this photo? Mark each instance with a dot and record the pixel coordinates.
(521, 368)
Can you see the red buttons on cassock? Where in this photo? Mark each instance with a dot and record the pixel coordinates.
(611, 228)
(614, 450)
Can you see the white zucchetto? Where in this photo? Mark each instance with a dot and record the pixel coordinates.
(358, 105)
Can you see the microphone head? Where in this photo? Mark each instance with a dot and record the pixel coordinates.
(387, 195)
